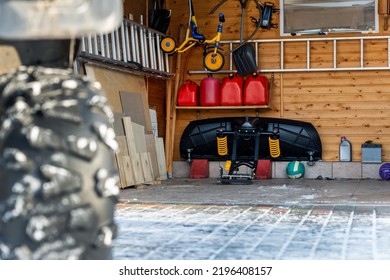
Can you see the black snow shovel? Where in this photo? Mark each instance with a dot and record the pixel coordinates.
(244, 57)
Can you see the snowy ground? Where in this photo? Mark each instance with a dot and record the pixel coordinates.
(204, 232)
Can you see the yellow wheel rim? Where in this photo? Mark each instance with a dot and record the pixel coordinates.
(168, 45)
(214, 62)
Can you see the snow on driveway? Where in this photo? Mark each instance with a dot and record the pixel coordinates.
(157, 231)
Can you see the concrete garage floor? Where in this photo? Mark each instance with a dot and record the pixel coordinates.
(273, 191)
(269, 219)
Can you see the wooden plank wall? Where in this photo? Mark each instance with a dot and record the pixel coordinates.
(351, 103)
(135, 7)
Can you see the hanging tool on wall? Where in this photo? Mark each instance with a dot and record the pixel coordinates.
(265, 21)
(160, 17)
(244, 56)
(266, 10)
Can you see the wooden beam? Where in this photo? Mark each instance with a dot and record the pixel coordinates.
(171, 109)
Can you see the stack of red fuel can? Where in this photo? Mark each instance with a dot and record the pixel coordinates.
(233, 91)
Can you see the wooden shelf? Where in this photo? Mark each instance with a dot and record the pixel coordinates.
(222, 107)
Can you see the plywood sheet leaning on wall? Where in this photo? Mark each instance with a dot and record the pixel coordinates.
(125, 170)
(155, 146)
(135, 105)
(134, 155)
(118, 124)
(140, 159)
(161, 160)
(141, 149)
(151, 148)
(147, 168)
(139, 137)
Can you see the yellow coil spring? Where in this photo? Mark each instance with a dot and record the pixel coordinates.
(222, 145)
(274, 147)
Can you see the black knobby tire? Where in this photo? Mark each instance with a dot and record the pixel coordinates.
(59, 184)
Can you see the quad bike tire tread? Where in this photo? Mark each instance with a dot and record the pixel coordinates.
(59, 182)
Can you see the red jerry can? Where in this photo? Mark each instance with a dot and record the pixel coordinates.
(188, 94)
(256, 90)
(209, 91)
(232, 91)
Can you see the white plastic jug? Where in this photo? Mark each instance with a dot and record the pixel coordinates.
(345, 150)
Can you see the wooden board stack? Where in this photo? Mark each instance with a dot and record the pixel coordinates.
(141, 157)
